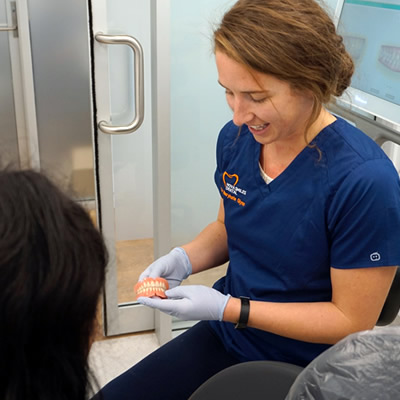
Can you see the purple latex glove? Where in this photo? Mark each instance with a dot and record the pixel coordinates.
(174, 267)
(194, 302)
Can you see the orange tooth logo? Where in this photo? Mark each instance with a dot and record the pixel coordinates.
(233, 176)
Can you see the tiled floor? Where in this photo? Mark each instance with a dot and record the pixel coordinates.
(109, 358)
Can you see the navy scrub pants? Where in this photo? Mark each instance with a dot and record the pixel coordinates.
(175, 370)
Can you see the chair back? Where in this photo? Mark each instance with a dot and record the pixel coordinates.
(251, 380)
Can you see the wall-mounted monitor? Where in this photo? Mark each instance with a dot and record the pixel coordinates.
(371, 33)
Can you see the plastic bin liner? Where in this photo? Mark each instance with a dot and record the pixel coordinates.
(362, 366)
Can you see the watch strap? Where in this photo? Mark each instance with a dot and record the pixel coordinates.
(244, 312)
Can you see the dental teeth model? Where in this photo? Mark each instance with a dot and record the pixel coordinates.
(355, 46)
(150, 287)
(389, 56)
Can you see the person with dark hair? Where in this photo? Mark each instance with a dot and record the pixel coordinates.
(52, 270)
(309, 217)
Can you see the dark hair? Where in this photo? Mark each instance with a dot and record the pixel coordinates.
(293, 40)
(52, 269)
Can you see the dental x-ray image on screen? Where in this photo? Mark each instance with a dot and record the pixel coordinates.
(371, 33)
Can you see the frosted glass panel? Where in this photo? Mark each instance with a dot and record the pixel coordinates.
(198, 112)
(8, 130)
(60, 53)
(132, 154)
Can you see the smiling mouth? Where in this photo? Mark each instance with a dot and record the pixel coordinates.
(258, 127)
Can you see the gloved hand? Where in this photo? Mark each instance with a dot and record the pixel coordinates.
(174, 267)
(194, 302)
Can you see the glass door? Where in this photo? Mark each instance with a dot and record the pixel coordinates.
(155, 181)
(122, 77)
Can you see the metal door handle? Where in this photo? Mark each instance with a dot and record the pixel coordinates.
(139, 83)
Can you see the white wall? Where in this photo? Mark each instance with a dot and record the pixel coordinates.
(198, 112)
(329, 5)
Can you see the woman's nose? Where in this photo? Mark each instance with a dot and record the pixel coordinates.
(241, 113)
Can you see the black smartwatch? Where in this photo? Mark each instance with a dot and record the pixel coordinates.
(244, 313)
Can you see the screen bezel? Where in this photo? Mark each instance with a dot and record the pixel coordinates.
(363, 103)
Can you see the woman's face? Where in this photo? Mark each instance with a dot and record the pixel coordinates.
(268, 106)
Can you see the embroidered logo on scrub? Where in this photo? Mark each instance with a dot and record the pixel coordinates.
(230, 190)
(375, 256)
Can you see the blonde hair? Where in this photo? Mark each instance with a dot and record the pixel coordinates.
(292, 40)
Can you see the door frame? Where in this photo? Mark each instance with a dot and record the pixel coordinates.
(23, 84)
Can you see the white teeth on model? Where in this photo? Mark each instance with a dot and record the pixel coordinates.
(354, 45)
(149, 286)
(147, 290)
(389, 56)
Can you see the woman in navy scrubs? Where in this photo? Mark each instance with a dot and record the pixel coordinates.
(309, 218)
